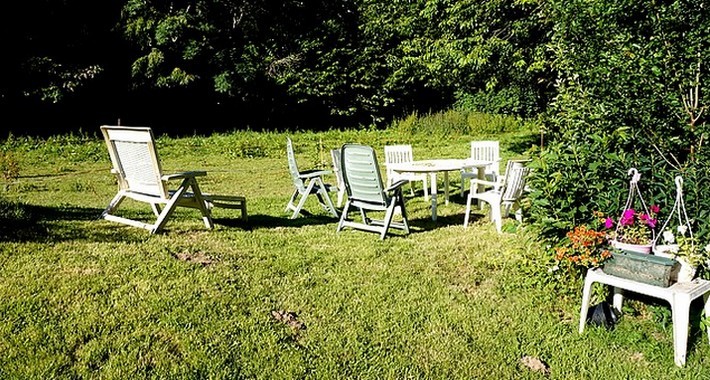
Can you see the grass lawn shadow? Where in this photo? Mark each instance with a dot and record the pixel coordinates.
(259, 221)
(22, 222)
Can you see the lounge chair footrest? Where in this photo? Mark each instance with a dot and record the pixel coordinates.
(227, 201)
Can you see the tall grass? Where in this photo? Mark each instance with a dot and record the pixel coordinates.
(282, 298)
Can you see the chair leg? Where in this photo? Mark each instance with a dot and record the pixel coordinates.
(468, 211)
(302, 201)
(325, 198)
(170, 207)
(388, 218)
(496, 216)
(201, 204)
(343, 216)
(113, 205)
(403, 211)
(586, 295)
(290, 205)
(680, 308)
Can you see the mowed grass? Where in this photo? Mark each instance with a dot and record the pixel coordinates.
(281, 298)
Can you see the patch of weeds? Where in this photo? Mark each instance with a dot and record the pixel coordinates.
(9, 167)
(30, 187)
(80, 187)
(661, 315)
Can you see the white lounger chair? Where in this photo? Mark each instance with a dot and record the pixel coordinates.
(140, 177)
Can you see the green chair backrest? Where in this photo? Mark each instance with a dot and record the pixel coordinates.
(361, 174)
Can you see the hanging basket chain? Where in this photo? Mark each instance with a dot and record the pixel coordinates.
(634, 191)
(679, 207)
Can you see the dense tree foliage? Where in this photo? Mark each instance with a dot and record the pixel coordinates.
(315, 64)
(630, 93)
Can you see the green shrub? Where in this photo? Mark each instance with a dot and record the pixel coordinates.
(457, 122)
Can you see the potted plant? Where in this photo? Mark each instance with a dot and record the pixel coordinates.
(634, 231)
(585, 247)
(686, 250)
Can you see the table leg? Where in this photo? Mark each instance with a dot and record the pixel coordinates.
(482, 176)
(586, 295)
(446, 187)
(680, 308)
(618, 298)
(432, 178)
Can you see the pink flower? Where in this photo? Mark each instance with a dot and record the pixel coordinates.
(628, 214)
(608, 223)
(652, 222)
(655, 209)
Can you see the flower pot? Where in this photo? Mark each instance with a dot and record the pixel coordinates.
(668, 250)
(639, 248)
(687, 271)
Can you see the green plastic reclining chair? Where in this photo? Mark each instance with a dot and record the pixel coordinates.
(363, 184)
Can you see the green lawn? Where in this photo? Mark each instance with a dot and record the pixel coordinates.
(87, 298)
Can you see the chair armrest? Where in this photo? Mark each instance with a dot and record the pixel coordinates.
(313, 173)
(397, 185)
(169, 177)
(476, 181)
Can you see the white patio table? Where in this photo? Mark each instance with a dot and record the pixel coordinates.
(440, 165)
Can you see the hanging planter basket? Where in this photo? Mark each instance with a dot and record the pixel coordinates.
(638, 248)
(634, 192)
(685, 271)
(634, 261)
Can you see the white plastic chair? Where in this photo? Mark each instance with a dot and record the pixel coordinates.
(366, 193)
(395, 154)
(306, 183)
(501, 198)
(484, 150)
(138, 171)
(337, 169)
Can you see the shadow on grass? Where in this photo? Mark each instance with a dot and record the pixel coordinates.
(259, 221)
(661, 312)
(21, 222)
(521, 144)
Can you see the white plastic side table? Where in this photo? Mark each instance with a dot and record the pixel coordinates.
(678, 295)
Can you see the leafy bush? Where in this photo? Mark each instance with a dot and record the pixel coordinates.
(629, 94)
(458, 122)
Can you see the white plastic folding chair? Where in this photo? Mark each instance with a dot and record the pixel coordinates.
(395, 154)
(366, 193)
(337, 170)
(501, 198)
(484, 150)
(306, 183)
(138, 171)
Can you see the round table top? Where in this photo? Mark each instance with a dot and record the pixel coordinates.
(437, 165)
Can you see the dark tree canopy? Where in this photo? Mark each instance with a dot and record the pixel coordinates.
(208, 64)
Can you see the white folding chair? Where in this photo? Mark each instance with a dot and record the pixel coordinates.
(138, 171)
(337, 169)
(501, 198)
(484, 150)
(366, 193)
(306, 183)
(395, 154)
